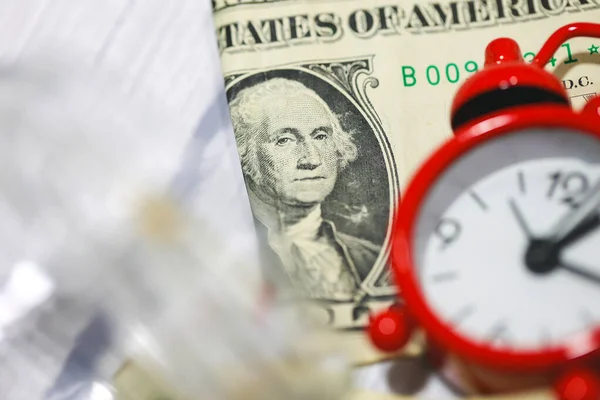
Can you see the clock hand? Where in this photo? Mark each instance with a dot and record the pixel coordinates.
(543, 255)
(580, 272)
(581, 230)
(520, 218)
(569, 223)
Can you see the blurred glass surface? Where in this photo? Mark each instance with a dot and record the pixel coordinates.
(132, 243)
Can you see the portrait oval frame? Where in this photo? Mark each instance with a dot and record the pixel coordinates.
(350, 78)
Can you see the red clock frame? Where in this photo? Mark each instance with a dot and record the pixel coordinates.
(468, 137)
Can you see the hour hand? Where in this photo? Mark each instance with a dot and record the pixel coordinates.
(585, 227)
(573, 220)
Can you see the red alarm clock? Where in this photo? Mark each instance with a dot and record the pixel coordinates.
(496, 242)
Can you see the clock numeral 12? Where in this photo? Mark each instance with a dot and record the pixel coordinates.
(573, 184)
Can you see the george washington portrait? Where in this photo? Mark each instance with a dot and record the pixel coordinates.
(293, 152)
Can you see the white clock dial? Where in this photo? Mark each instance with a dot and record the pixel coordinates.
(474, 231)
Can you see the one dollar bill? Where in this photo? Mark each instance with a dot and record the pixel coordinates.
(335, 103)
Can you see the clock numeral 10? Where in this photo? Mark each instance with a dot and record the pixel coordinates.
(572, 186)
(448, 230)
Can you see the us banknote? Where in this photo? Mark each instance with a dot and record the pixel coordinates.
(335, 103)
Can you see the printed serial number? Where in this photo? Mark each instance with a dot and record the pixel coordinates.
(453, 73)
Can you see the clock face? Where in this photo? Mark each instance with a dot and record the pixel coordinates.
(497, 259)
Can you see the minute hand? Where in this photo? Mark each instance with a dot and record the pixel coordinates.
(573, 219)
